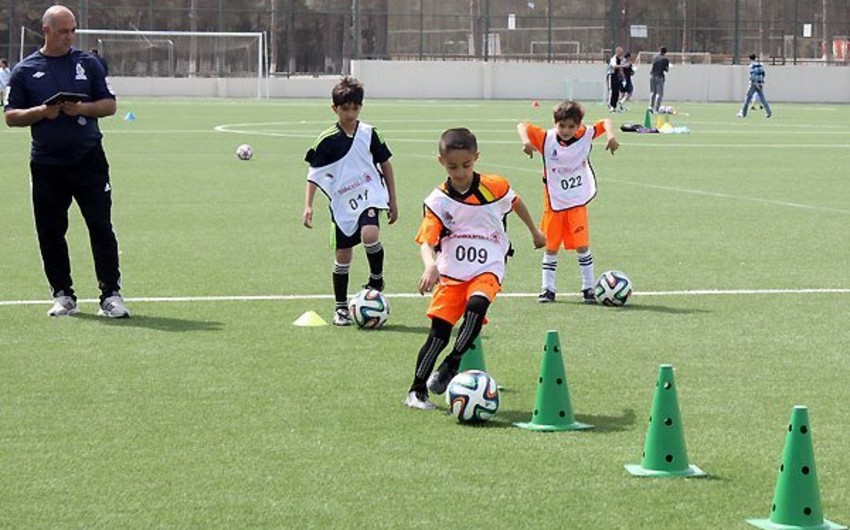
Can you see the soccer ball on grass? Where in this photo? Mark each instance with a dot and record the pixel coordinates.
(613, 288)
(369, 309)
(472, 396)
(244, 152)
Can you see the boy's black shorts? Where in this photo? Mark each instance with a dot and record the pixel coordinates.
(367, 218)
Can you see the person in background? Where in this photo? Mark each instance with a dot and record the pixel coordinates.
(657, 78)
(627, 88)
(615, 79)
(5, 76)
(757, 75)
(101, 60)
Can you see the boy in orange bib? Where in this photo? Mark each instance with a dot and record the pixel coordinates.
(464, 245)
(569, 184)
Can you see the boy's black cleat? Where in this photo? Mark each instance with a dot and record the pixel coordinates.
(377, 285)
(440, 378)
(587, 296)
(546, 297)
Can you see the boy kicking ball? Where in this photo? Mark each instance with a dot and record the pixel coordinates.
(464, 246)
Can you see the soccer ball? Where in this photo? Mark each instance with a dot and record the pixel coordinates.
(244, 152)
(472, 396)
(613, 288)
(369, 309)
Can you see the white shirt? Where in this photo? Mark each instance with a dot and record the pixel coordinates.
(352, 183)
(570, 180)
(475, 241)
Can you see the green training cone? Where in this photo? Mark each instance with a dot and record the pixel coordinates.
(796, 499)
(647, 119)
(552, 408)
(664, 452)
(473, 359)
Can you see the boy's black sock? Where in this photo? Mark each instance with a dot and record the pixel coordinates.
(375, 255)
(473, 319)
(340, 280)
(437, 340)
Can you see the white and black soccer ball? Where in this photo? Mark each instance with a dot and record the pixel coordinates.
(369, 308)
(244, 152)
(613, 288)
(472, 396)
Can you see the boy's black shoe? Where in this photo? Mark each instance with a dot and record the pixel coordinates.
(440, 378)
(546, 297)
(588, 296)
(377, 285)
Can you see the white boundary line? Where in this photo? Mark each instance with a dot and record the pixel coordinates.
(298, 297)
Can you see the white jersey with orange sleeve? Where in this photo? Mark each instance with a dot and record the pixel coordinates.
(568, 175)
(474, 240)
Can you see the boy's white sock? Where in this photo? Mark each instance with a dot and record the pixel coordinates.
(585, 266)
(550, 267)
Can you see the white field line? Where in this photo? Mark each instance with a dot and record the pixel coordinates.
(690, 191)
(299, 297)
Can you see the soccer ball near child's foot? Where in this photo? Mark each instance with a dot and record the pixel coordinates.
(369, 309)
(613, 288)
(473, 396)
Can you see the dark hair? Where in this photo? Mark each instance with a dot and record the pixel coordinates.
(348, 90)
(753, 57)
(663, 50)
(460, 139)
(568, 110)
(628, 54)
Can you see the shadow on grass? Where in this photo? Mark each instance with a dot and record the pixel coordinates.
(156, 323)
(401, 328)
(657, 309)
(603, 424)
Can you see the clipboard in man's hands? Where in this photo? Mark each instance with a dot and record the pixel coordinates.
(61, 97)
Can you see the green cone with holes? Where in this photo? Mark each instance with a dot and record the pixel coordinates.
(796, 499)
(664, 452)
(473, 359)
(553, 410)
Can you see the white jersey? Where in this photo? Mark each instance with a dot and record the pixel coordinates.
(352, 183)
(474, 240)
(569, 178)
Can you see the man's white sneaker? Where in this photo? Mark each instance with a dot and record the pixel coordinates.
(63, 306)
(113, 307)
(419, 401)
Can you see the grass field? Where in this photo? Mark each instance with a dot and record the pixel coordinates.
(208, 409)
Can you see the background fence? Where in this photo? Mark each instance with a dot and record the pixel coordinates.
(322, 36)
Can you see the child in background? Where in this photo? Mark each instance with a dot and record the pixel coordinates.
(344, 164)
(569, 184)
(464, 246)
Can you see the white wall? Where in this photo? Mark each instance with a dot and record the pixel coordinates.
(503, 80)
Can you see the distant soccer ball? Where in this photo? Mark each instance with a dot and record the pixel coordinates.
(613, 288)
(472, 396)
(244, 152)
(369, 309)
